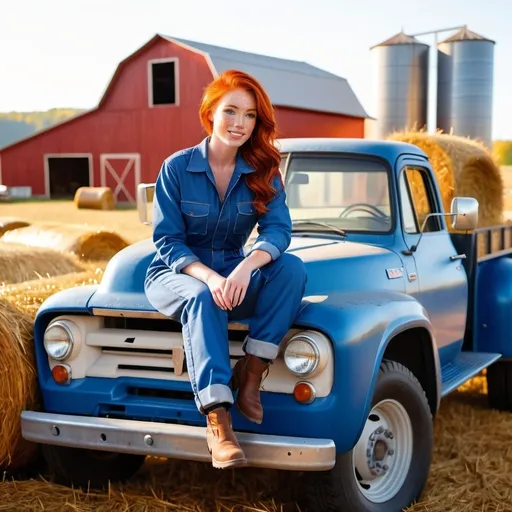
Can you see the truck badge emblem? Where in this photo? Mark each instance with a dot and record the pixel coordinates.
(394, 273)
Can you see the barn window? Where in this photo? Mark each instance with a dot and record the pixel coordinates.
(163, 82)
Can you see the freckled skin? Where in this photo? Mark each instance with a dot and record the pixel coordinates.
(234, 118)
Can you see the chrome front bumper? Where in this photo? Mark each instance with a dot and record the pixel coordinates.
(173, 441)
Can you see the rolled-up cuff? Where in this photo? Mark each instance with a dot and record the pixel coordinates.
(267, 247)
(260, 348)
(182, 262)
(214, 394)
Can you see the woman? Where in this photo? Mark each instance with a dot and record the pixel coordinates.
(208, 198)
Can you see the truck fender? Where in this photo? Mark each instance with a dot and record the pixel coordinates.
(361, 326)
(73, 300)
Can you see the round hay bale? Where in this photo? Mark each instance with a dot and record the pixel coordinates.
(474, 172)
(19, 389)
(94, 198)
(21, 263)
(88, 244)
(29, 295)
(8, 223)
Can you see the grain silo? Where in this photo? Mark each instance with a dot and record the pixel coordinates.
(465, 85)
(401, 84)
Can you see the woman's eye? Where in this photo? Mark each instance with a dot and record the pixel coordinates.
(229, 111)
(251, 116)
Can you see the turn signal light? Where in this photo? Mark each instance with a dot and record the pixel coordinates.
(304, 392)
(61, 374)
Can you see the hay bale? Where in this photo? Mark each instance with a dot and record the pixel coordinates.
(29, 295)
(94, 198)
(18, 305)
(19, 384)
(86, 243)
(21, 263)
(8, 223)
(474, 173)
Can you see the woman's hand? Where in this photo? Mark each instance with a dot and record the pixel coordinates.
(216, 283)
(237, 284)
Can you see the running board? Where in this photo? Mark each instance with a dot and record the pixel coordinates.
(463, 367)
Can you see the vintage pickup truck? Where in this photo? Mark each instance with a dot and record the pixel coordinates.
(399, 310)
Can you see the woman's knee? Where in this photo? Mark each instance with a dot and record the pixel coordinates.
(292, 267)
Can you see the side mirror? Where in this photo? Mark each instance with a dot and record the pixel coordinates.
(145, 195)
(465, 213)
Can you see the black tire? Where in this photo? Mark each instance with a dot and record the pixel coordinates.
(89, 468)
(499, 385)
(338, 490)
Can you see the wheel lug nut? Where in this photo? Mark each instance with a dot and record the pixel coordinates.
(385, 467)
(378, 465)
(372, 437)
(391, 452)
(368, 453)
(379, 430)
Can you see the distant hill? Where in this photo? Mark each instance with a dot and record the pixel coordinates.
(17, 125)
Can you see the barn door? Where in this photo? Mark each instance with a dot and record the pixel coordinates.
(121, 172)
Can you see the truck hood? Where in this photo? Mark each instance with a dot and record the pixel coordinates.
(332, 266)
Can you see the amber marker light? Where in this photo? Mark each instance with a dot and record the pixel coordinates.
(304, 392)
(61, 374)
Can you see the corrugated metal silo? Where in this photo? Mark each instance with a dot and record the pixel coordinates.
(465, 85)
(402, 84)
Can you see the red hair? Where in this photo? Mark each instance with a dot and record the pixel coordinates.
(259, 151)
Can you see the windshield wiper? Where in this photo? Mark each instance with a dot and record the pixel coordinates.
(324, 225)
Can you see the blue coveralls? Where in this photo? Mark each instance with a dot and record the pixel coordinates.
(191, 223)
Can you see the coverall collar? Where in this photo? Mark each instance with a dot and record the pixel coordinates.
(199, 160)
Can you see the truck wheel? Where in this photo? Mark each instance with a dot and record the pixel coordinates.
(499, 385)
(388, 468)
(89, 468)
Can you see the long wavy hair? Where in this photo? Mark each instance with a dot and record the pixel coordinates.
(259, 151)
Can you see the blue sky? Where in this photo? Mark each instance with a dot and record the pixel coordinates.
(62, 53)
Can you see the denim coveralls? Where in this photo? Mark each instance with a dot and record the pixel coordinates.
(191, 223)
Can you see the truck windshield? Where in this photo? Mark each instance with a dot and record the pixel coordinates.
(349, 193)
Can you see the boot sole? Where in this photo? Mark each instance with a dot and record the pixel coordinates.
(237, 463)
(252, 420)
(228, 464)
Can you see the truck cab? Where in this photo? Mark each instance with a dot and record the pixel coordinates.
(389, 324)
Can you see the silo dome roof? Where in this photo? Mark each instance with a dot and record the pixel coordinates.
(399, 38)
(464, 34)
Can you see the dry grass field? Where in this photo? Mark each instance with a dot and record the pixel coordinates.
(471, 470)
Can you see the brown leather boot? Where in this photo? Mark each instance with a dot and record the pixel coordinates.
(247, 376)
(222, 442)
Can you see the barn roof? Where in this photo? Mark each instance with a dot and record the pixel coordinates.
(289, 83)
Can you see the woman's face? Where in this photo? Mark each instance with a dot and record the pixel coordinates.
(234, 117)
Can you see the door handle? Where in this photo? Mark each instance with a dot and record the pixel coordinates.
(458, 257)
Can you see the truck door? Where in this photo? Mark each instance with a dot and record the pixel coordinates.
(442, 280)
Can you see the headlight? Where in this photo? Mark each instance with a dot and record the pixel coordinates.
(301, 355)
(58, 341)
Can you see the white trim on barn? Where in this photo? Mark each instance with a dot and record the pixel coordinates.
(133, 163)
(176, 81)
(47, 156)
(206, 55)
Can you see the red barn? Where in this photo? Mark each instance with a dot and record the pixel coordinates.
(150, 110)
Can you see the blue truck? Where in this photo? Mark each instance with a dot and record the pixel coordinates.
(399, 311)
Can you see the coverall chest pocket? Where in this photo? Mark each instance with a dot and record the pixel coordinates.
(196, 217)
(246, 216)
